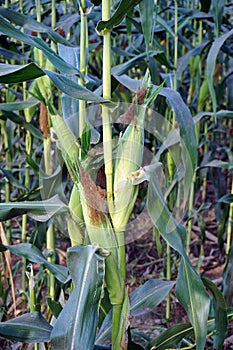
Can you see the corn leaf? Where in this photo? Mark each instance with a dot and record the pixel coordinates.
(10, 73)
(28, 328)
(186, 127)
(18, 105)
(29, 23)
(220, 313)
(149, 295)
(124, 67)
(124, 7)
(142, 299)
(195, 300)
(189, 288)
(170, 337)
(147, 14)
(19, 120)
(211, 63)
(34, 255)
(76, 325)
(9, 30)
(40, 210)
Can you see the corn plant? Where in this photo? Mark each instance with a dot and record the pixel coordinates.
(99, 308)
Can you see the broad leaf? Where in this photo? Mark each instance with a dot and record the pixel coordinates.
(34, 255)
(28, 328)
(149, 295)
(220, 313)
(124, 7)
(192, 295)
(76, 325)
(39, 210)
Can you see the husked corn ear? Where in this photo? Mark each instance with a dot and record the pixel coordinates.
(75, 220)
(66, 139)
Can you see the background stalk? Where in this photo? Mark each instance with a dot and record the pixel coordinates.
(169, 157)
(32, 294)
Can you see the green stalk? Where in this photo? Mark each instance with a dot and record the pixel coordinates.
(170, 160)
(229, 226)
(28, 142)
(50, 241)
(107, 132)
(83, 47)
(7, 183)
(45, 90)
(32, 294)
(107, 144)
(196, 65)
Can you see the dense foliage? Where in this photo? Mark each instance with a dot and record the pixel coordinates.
(115, 120)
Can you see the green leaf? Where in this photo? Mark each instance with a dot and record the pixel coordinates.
(124, 7)
(211, 62)
(216, 163)
(124, 67)
(55, 306)
(10, 178)
(15, 73)
(39, 210)
(147, 14)
(170, 337)
(220, 313)
(227, 198)
(18, 105)
(149, 295)
(157, 208)
(27, 22)
(21, 121)
(192, 295)
(10, 73)
(28, 328)
(217, 8)
(76, 325)
(73, 89)
(9, 30)
(183, 116)
(34, 255)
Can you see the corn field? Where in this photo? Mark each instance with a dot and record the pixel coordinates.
(116, 125)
